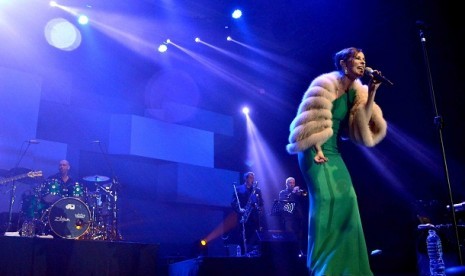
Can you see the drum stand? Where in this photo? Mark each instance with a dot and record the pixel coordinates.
(10, 209)
(105, 227)
(112, 229)
(93, 232)
(44, 222)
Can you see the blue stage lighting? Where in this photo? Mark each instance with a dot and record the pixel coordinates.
(63, 35)
(83, 19)
(162, 48)
(237, 14)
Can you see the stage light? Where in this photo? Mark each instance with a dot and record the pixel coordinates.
(229, 38)
(237, 14)
(246, 110)
(63, 35)
(168, 41)
(83, 19)
(53, 4)
(200, 248)
(162, 48)
(197, 39)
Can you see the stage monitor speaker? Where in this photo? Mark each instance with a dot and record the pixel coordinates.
(276, 243)
(276, 236)
(280, 250)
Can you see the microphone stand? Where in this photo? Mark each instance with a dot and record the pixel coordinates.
(244, 239)
(115, 185)
(439, 124)
(13, 188)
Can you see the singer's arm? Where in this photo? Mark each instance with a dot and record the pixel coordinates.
(372, 88)
(366, 122)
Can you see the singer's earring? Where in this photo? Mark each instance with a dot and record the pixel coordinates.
(345, 71)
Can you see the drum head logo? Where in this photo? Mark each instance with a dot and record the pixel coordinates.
(80, 216)
(70, 206)
(62, 219)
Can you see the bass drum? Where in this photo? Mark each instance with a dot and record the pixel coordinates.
(69, 218)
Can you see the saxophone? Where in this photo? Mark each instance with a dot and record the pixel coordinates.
(248, 207)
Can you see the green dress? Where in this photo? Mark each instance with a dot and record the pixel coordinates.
(336, 243)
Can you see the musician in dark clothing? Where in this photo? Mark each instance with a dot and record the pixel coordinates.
(249, 210)
(62, 184)
(291, 213)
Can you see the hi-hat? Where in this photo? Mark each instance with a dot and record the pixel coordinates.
(96, 178)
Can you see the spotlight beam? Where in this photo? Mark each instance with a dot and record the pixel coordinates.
(220, 71)
(283, 62)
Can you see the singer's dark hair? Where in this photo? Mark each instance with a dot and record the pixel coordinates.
(345, 55)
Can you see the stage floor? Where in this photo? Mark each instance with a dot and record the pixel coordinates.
(43, 256)
(238, 266)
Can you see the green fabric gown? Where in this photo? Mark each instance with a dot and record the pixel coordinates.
(336, 243)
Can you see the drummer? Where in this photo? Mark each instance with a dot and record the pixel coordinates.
(67, 185)
(63, 174)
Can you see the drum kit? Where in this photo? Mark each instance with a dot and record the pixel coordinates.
(71, 212)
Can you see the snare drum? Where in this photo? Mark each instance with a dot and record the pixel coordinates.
(50, 191)
(69, 218)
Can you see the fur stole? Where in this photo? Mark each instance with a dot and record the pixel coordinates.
(313, 123)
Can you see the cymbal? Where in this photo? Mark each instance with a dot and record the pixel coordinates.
(96, 178)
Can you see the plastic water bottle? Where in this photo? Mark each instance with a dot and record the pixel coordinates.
(238, 251)
(27, 229)
(434, 246)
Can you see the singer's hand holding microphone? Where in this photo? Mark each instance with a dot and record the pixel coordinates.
(376, 76)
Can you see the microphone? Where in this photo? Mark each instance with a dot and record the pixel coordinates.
(377, 76)
(32, 141)
(302, 192)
